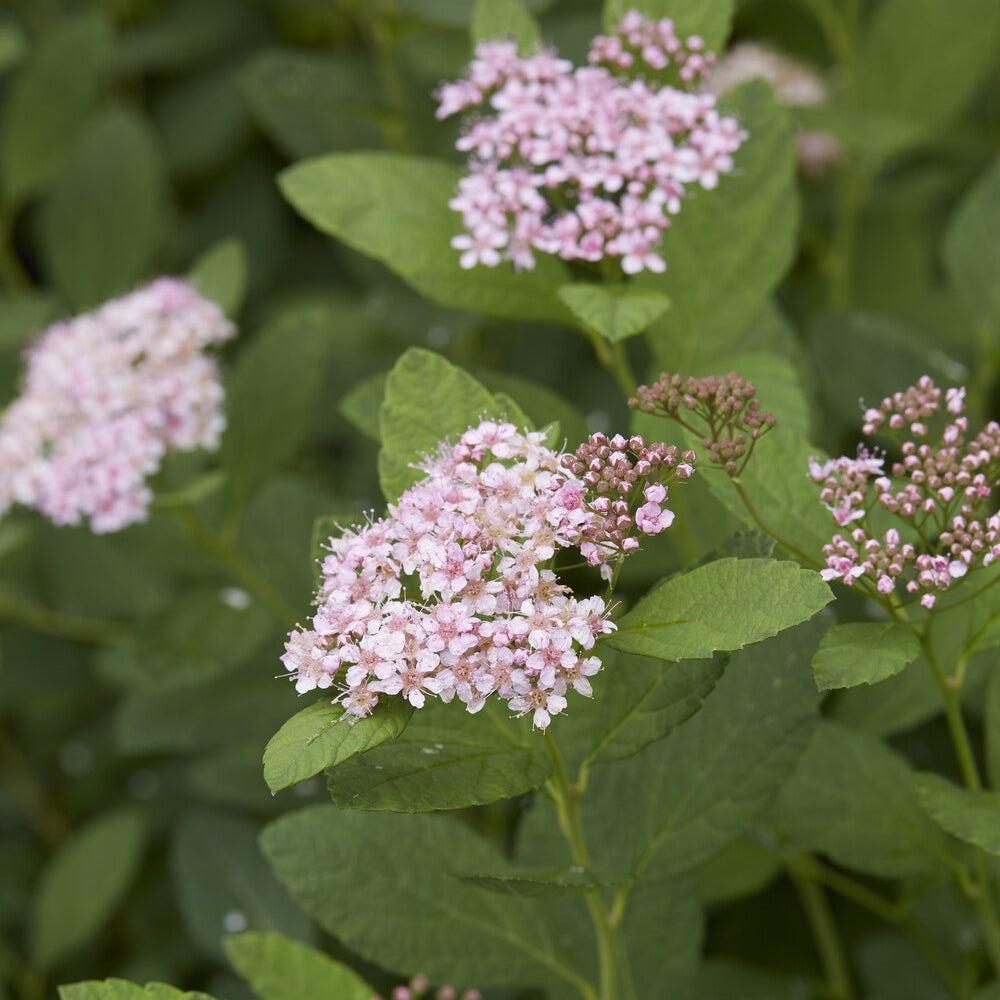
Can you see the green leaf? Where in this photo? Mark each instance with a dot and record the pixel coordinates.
(212, 714)
(271, 394)
(13, 45)
(22, 315)
(728, 248)
(279, 969)
(742, 868)
(121, 989)
(223, 884)
(971, 253)
(220, 274)
(362, 404)
(503, 19)
(452, 932)
(971, 816)
(427, 400)
(205, 633)
(319, 737)
(395, 208)
(856, 800)
(709, 18)
(724, 605)
(638, 701)
(862, 653)
(541, 404)
(83, 884)
(866, 356)
(446, 759)
(527, 885)
(111, 195)
(697, 790)
(50, 103)
(911, 46)
(181, 34)
(310, 103)
(613, 315)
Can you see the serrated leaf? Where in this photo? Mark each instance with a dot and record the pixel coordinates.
(723, 605)
(614, 315)
(220, 274)
(700, 788)
(83, 884)
(320, 737)
(222, 882)
(708, 18)
(862, 653)
(362, 404)
(395, 208)
(121, 989)
(856, 800)
(452, 932)
(112, 194)
(427, 400)
(279, 969)
(971, 816)
(541, 405)
(971, 251)
(270, 396)
(728, 248)
(505, 19)
(446, 759)
(311, 103)
(50, 103)
(637, 701)
(527, 885)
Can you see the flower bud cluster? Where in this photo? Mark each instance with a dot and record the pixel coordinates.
(730, 419)
(105, 397)
(638, 41)
(453, 595)
(626, 480)
(940, 490)
(584, 163)
(419, 987)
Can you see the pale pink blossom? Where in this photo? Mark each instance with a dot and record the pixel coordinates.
(585, 162)
(105, 397)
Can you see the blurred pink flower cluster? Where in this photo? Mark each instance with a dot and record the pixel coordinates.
(942, 493)
(453, 595)
(585, 162)
(106, 395)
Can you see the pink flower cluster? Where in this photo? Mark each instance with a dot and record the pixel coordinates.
(419, 986)
(941, 492)
(106, 395)
(584, 163)
(453, 595)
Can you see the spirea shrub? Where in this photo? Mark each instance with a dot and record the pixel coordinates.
(585, 162)
(105, 396)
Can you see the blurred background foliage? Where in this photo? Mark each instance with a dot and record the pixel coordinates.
(140, 137)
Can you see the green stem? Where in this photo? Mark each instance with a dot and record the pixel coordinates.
(983, 895)
(566, 799)
(244, 572)
(614, 360)
(823, 927)
(892, 913)
(39, 618)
